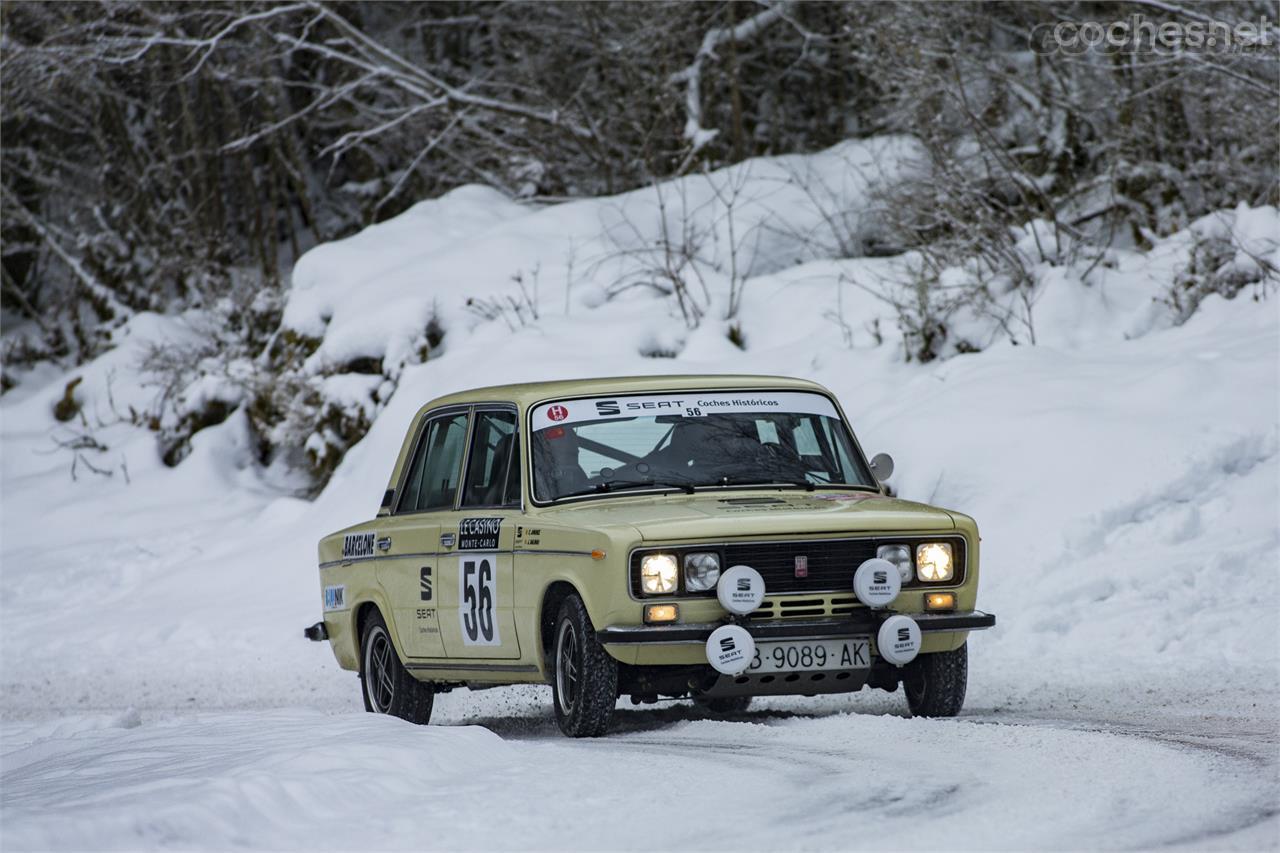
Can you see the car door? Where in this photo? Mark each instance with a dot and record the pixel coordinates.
(478, 580)
(409, 569)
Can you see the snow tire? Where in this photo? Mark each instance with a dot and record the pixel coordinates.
(584, 677)
(388, 687)
(935, 683)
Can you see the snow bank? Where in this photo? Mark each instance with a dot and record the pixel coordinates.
(371, 296)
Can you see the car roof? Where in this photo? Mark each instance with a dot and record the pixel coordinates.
(527, 393)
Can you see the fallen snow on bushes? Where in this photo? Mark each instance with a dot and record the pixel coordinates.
(1124, 473)
(371, 295)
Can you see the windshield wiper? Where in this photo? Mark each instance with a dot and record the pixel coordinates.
(599, 488)
(739, 481)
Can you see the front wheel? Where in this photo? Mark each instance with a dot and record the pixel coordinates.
(935, 683)
(387, 686)
(585, 686)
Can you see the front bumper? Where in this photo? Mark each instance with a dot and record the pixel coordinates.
(862, 624)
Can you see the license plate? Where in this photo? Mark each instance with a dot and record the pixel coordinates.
(802, 655)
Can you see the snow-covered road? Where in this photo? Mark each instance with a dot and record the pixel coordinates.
(1083, 767)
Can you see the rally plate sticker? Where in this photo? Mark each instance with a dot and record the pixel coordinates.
(479, 534)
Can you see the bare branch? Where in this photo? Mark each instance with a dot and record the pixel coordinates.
(691, 75)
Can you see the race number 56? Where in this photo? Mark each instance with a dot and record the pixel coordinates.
(477, 594)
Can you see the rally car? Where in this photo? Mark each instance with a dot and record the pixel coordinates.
(709, 537)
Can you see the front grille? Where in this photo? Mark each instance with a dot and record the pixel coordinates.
(831, 563)
(806, 608)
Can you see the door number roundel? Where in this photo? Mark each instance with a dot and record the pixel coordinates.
(477, 598)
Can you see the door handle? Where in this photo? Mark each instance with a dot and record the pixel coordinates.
(384, 544)
(446, 540)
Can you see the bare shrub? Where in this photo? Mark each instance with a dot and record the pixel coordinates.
(670, 264)
(515, 309)
(1218, 265)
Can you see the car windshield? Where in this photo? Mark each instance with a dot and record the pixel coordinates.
(689, 441)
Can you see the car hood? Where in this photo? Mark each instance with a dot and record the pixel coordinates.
(731, 514)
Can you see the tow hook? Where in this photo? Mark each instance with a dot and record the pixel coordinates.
(316, 633)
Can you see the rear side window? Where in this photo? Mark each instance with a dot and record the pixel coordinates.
(493, 465)
(433, 474)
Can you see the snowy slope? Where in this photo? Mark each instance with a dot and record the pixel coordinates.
(1124, 473)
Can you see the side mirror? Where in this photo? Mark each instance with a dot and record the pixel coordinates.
(882, 466)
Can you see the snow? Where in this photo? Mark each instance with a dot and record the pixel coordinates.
(371, 296)
(352, 390)
(1124, 472)
(272, 779)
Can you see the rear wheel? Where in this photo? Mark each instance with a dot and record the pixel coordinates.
(935, 683)
(585, 683)
(387, 686)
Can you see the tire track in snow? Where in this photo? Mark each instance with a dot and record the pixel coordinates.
(1252, 753)
(819, 774)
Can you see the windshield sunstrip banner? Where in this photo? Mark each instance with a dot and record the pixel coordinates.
(689, 405)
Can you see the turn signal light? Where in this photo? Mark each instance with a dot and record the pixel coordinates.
(597, 554)
(654, 613)
(940, 601)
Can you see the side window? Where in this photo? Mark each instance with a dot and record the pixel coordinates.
(433, 474)
(492, 459)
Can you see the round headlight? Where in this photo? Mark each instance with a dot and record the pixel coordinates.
(900, 556)
(701, 571)
(658, 574)
(934, 562)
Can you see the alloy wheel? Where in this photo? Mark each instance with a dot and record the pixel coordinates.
(567, 667)
(378, 679)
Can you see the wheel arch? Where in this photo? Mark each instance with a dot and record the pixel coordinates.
(552, 597)
(363, 612)
(360, 616)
